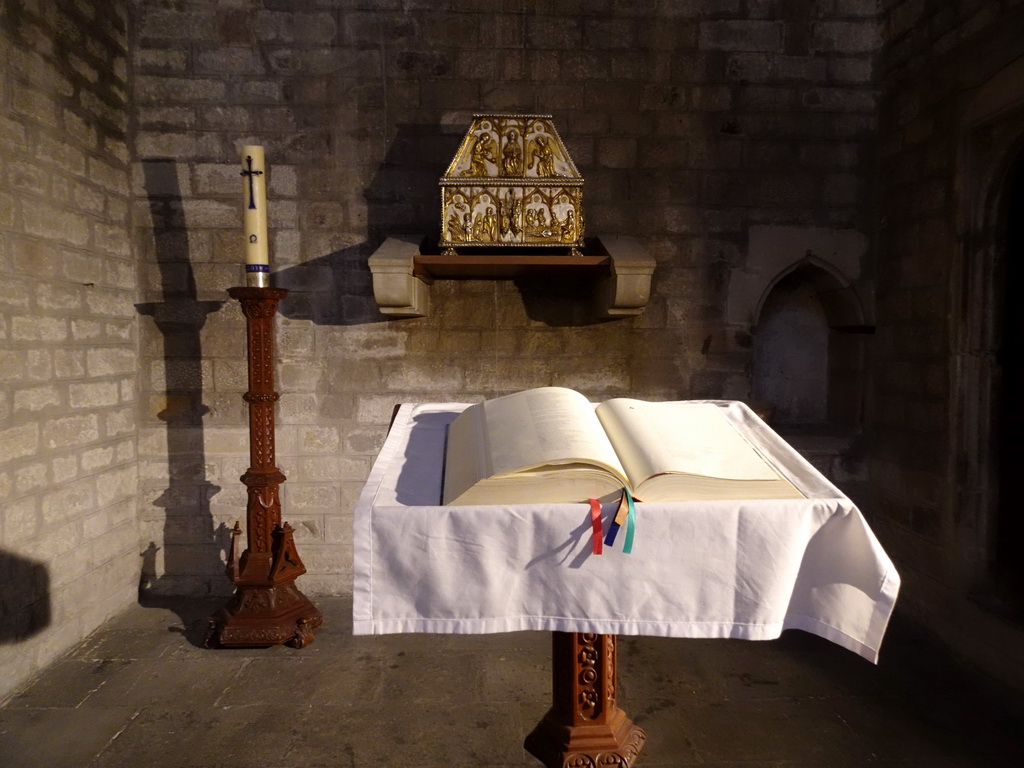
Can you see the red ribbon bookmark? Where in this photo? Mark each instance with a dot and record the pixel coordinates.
(595, 521)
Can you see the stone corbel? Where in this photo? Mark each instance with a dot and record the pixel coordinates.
(401, 291)
(627, 289)
(396, 289)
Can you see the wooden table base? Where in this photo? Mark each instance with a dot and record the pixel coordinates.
(585, 727)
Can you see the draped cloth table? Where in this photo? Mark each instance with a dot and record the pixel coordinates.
(701, 569)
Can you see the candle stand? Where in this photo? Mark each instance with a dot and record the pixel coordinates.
(266, 608)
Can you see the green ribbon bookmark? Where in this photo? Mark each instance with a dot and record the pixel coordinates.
(627, 545)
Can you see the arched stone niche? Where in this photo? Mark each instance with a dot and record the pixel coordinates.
(797, 295)
(809, 349)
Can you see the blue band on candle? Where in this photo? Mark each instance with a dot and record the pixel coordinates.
(257, 268)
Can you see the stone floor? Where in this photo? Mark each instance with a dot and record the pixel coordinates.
(141, 692)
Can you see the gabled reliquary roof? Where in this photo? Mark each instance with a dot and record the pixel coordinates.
(508, 146)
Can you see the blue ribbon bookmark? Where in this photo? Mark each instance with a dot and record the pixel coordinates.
(618, 521)
(625, 515)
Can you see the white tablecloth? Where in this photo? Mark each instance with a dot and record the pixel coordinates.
(741, 569)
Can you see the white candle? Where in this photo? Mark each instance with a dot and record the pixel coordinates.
(254, 205)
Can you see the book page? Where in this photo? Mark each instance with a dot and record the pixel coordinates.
(546, 426)
(466, 460)
(511, 435)
(654, 438)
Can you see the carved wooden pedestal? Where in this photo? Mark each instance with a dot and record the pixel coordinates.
(267, 608)
(585, 727)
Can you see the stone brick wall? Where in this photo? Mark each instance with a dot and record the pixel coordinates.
(944, 145)
(68, 329)
(692, 122)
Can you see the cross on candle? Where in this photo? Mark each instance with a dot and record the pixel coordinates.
(251, 173)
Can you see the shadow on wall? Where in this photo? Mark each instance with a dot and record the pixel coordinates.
(191, 547)
(403, 200)
(25, 610)
(337, 289)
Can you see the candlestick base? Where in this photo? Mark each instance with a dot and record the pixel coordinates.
(259, 617)
(267, 608)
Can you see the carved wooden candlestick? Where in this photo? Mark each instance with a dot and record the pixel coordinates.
(585, 727)
(267, 608)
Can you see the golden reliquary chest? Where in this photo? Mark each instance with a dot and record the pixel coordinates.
(511, 183)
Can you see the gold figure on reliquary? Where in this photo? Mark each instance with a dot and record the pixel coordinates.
(512, 183)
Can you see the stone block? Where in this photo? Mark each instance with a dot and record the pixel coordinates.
(6, 485)
(117, 484)
(846, 36)
(111, 239)
(120, 422)
(298, 408)
(161, 60)
(226, 441)
(554, 32)
(215, 178)
(31, 477)
(53, 223)
(372, 408)
(70, 364)
(297, 375)
(617, 152)
(35, 399)
(230, 375)
(609, 34)
(35, 105)
(221, 61)
(163, 91)
(32, 258)
(64, 157)
(176, 23)
(19, 442)
(365, 442)
(93, 394)
(492, 377)
(741, 35)
(70, 431)
(97, 458)
(119, 274)
(306, 496)
(69, 502)
(81, 267)
(421, 376)
(21, 521)
(106, 361)
(319, 439)
(41, 329)
(28, 177)
(95, 524)
(58, 297)
(64, 468)
(332, 468)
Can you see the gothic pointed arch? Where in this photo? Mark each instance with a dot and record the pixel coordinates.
(808, 357)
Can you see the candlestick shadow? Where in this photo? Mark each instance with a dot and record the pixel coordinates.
(186, 550)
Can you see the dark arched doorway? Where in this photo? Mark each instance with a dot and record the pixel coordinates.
(1008, 417)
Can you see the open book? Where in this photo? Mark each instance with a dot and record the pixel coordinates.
(552, 445)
